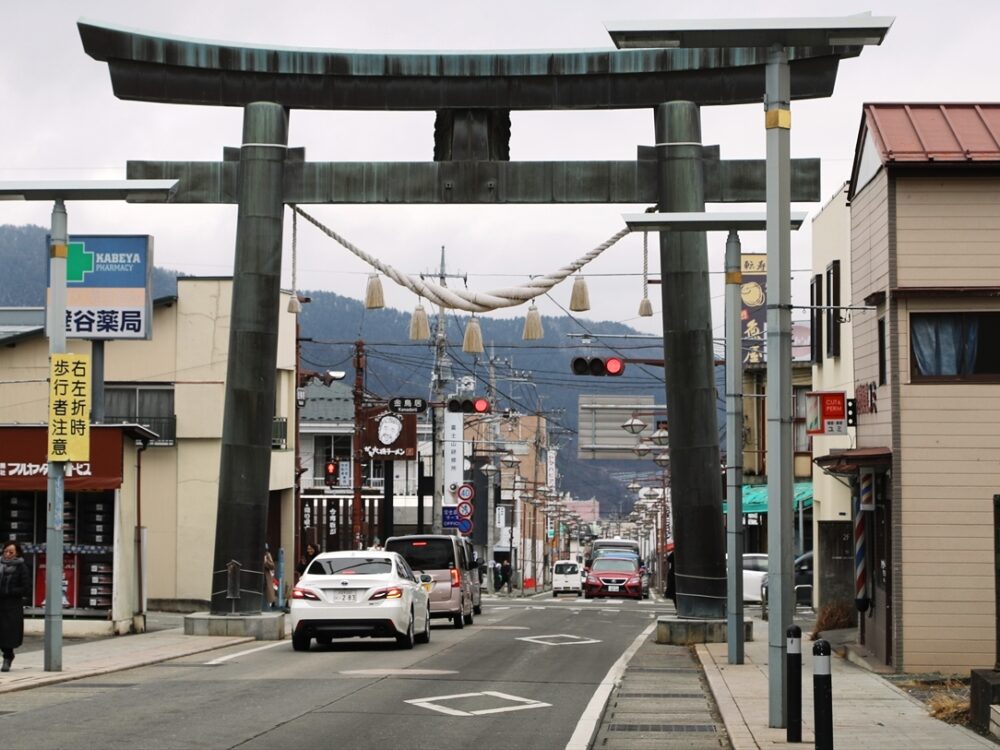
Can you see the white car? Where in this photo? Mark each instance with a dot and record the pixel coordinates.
(351, 594)
(754, 571)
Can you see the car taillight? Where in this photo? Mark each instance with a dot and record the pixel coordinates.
(390, 593)
(298, 593)
(456, 578)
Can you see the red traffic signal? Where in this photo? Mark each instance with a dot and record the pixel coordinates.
(613, 366)
(330, 475)
(470, 405)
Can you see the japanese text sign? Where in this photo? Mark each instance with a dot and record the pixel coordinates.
(69, 407)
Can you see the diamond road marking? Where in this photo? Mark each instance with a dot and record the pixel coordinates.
(565, 640)
(520, 704)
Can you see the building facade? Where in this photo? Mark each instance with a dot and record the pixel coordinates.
(174, 385)
(924, 198)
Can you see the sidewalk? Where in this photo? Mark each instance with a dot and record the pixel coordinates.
(868, 710)
(105, 655)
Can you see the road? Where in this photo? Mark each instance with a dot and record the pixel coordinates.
(523, 676)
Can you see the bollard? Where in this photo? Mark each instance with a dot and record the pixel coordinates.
(822, 696)
(793, 683)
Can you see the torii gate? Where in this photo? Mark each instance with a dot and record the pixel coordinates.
(473, 95)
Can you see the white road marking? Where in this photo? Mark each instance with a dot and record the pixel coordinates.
(595, 708)
(222, 659)
(521, 703)
(503, 627)
(393, 672)
(567, 640)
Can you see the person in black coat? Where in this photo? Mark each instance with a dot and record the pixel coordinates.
(14, 584)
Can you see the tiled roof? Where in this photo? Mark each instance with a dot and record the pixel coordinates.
(332, 403)
(934, 132)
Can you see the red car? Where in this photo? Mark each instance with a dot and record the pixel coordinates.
(613, 576)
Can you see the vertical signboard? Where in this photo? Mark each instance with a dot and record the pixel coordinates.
(753, 315)
(108, 283)
(69, 408)
(454, 454)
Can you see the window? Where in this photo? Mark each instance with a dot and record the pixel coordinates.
(882, 375)
(150, 406)
(816, 320)
(955, 346)
(833, 312)
(800, 439)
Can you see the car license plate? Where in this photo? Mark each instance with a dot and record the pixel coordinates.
(612, 588)
(344, 596)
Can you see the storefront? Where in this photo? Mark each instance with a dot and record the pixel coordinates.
(101, 536)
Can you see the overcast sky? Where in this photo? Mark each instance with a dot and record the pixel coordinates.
(60, 120)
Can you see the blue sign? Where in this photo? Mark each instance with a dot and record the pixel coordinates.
(108, 287)
(450, 518)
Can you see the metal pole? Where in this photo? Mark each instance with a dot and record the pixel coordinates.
(56, 329)
(734, 450)
(777, 118)
(357, 509)
(97, 412)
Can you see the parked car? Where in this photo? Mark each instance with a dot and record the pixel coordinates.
(803, 567)
(754, 571)
(372, 594)
(444, 558)
(613, 576)
(566, 578)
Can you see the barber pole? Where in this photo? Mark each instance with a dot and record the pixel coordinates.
(865, 499)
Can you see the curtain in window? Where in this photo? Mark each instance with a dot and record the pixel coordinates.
(120, 402)
(945, 344)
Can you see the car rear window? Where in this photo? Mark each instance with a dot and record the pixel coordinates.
(347, 566)
(424, 554)
(618, 564)
(566, 568)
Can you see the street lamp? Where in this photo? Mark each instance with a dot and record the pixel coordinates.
(660, 435)
(633, 425)
(643, 447)
(662, 459)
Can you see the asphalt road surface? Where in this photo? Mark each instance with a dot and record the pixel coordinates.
(524, 675)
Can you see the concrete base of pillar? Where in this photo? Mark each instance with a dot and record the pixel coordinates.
(984, 692)
(266, 626)
(683, 631)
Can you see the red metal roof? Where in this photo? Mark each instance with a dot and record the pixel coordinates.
(935, 132)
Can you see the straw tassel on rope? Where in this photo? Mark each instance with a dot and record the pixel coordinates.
(579, 300)
(472, 343)
(533, 325)
(645, 306)
(374, 297)
(420, 327)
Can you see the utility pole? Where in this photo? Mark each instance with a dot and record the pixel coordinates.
(440, 378)
(491, 476)
(357, 511)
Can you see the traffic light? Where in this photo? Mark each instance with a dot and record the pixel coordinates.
(330, 474)
(851, 408)
(613, 366)
(470, 404)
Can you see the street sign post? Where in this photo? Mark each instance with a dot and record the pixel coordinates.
(408, 405)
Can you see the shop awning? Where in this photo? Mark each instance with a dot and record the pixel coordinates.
(755, 497)
(849, 461)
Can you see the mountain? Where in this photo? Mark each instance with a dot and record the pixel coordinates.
(531, 376)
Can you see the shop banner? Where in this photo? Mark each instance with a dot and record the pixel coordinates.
(23, 464)
(753, 315)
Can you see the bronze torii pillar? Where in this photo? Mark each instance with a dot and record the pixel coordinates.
(245, 463)
(700, 553)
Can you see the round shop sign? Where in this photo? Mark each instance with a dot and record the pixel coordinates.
(465, 492)
(464, 509)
